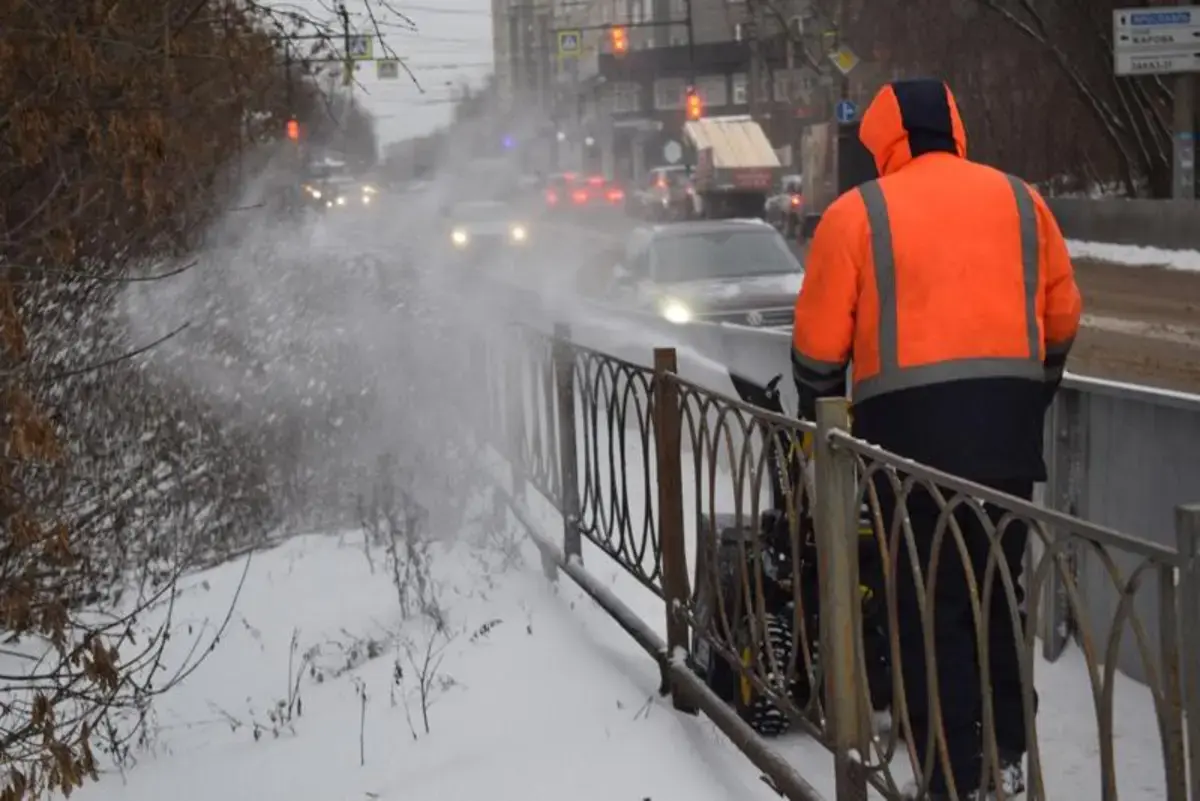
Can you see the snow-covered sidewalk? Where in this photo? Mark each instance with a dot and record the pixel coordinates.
(539, 695)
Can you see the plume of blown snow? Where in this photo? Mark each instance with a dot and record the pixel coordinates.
(349, 339)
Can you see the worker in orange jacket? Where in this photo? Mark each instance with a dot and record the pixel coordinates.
(948, 285)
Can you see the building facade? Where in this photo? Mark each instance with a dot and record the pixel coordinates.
(616, 113)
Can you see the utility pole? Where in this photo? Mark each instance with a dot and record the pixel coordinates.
(789, 99)
(1185, 133)
(347, 81)
(690, 25)
(754, 78)
(347, 61)
(844, 80)
(287, 74)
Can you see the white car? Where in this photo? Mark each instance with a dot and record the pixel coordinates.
(482, 228)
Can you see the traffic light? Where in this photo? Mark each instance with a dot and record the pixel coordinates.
(293, 130)
(619, 39)
(694, 105)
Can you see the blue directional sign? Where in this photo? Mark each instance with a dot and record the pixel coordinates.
(1157, 18)
(846, 111)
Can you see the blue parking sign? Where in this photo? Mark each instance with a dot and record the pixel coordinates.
(846, 111)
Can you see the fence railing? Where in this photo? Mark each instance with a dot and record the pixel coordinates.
(808, 579)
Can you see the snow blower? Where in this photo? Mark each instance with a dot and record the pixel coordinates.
(779, 566)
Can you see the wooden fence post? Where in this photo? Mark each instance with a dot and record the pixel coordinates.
(568, 456)
(835, 526)
(1187, 539)
(667, 436)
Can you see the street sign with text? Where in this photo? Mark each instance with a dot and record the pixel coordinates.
(1156, 41)
(1157, 63)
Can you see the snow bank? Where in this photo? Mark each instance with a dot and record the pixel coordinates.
(1136, 256)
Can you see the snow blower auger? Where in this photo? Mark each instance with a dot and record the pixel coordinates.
(772, 558)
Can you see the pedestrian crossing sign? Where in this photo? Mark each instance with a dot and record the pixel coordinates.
(360, 48)
(570, 43)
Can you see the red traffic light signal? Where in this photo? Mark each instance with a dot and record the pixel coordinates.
(293, 130)
(694, 105)
(619, 39)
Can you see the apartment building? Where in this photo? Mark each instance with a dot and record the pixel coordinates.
(617, 112)
(524, 51)
(633, 103)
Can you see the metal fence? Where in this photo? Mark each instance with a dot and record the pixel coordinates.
(779, 608)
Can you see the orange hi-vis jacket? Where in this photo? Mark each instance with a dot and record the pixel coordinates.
(940, 271)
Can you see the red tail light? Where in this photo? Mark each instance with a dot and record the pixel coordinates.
(579, 196)
(596, 180)
(616, 195)
(551, 197)
(795, 201)
(661, 183)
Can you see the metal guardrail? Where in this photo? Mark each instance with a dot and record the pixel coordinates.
(1125, 457)
(666, 478)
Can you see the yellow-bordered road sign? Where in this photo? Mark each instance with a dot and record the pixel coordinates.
(570, 43)
(361, 48)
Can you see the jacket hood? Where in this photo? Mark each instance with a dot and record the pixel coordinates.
(908, 119)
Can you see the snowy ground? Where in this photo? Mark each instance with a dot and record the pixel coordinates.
(550, 698)
(1135, 255)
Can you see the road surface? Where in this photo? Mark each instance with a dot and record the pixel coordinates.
(1141, 324)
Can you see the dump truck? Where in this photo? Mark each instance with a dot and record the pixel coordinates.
(735, 167)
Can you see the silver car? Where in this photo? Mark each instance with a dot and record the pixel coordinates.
(723, 271)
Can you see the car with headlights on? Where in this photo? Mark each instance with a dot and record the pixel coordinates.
(718, 271)
(485, 227)
(342, 194)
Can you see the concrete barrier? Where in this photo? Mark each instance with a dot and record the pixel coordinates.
(1169, 224)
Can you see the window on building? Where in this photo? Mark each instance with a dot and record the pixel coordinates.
(626, 98)
(679, 9)
(793, 85)
(764, 86)
(738, 95)
(668, 93)
(713, 91)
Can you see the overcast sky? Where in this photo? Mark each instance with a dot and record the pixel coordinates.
(453, 44)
